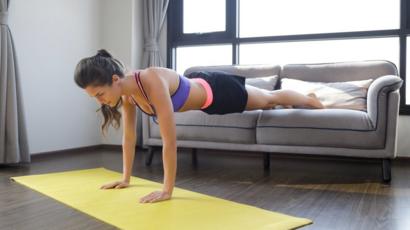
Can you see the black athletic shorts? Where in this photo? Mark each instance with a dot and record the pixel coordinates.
(229, 92)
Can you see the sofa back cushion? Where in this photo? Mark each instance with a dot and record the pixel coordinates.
(248, 71)
(261, 76)
(338, 72)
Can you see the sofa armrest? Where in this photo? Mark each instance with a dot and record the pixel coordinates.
(377, 94)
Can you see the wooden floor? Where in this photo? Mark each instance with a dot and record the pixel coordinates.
(335, 193)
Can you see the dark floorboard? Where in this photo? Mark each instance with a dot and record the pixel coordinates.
(336, 193)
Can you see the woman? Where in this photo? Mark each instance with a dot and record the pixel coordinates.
(160, 92)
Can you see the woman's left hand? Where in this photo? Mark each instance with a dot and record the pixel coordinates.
(155, 197)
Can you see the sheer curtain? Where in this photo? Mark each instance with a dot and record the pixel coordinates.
(13, 136)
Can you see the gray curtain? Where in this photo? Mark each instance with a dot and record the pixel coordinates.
(13, 136)
(154, 17)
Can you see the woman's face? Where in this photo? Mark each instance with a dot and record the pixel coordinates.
(108, 95)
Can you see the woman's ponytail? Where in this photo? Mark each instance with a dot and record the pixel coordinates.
(103, 53)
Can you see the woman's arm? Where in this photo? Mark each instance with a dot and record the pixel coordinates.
(158, 92)
(128, 145)
(129, 138)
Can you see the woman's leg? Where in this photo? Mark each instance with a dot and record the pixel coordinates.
(265, 99)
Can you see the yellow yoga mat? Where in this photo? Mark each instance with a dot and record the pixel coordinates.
(120, 207)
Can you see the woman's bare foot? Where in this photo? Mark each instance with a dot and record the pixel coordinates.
(314, 102)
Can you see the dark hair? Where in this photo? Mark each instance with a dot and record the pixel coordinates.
(97, 71)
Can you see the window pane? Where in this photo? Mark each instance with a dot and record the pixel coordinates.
(202, 55)
(286, 17)
(321, 51)
(204, 16)
(408, 72)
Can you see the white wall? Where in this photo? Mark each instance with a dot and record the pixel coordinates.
(50, 38)
(122, 35)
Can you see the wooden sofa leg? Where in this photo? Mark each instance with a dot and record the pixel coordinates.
(386, 170)
(149, 156)
(266, 161)
(194, 158)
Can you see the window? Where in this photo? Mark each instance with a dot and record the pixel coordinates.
(407, 102)
(221, 32)
(202, 55)
(197, 14)
(321, 51)
(286, 17)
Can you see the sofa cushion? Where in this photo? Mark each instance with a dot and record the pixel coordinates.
(267, 83)
(342, 95)
(324, 127)
(199, 126)
(248, 71)
(339, 71)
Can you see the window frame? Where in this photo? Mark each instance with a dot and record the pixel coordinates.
(176, 38)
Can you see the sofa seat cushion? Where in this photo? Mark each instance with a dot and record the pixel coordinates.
(199, 126)
(324, 127)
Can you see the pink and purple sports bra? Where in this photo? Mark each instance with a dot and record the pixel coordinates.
(179, 97)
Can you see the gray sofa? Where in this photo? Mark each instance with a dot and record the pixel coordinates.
(337, 132)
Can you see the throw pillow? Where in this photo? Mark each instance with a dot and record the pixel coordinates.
(343, 95)
(267, 83)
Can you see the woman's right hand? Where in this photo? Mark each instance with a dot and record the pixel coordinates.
(116, 184)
